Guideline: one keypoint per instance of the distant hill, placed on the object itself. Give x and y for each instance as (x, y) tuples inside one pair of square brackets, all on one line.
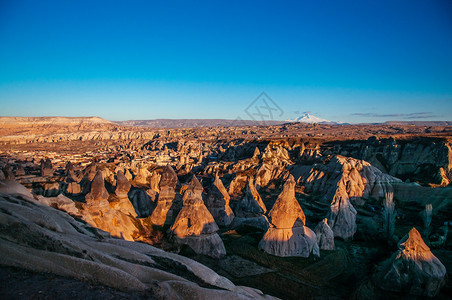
[(420, 123), (190, 123), (51, 120), (44, 125)]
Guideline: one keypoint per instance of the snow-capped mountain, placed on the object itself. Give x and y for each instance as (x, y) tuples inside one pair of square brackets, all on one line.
[(307, 118)]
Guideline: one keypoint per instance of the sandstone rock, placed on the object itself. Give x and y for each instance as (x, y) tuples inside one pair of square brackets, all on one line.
[(325, 236), (167, 202), (237, 185), (217, 202), (142, 202), (46, 168), (413, 269), (8, 172), (98, 191), (251, 205), (287, 212), (342, 215), (287, 235), (12, 187), (142, 175), (20, 171), (128, 175), (195, 226), (41, 239), (73, 188), (259, 223), (359, 178), (122, 185)]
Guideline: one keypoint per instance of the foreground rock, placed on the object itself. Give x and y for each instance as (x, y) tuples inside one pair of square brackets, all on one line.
[(287, 235), (39, 238), (194, 225), (413, 269)]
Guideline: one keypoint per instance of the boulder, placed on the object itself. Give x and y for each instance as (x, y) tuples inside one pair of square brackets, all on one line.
[(413, 269)]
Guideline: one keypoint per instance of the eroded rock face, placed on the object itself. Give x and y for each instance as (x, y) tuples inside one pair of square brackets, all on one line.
[(287, 212), (359, 178), (41, 239), (217, 202), (167, 204), (142, 202), (342, 215), (251, 205), (287, 235), (122, 185), (8, 173), (413, 269), (98, 191), (195, 226), (46, 168), (325, 236)]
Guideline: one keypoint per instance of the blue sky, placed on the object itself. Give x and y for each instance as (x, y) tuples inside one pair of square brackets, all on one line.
[(350, 61)]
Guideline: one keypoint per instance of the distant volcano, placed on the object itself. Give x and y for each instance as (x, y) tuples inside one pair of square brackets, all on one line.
[(307, 118)]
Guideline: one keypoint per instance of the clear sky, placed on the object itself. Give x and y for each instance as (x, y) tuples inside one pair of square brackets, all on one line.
[(350, 61)]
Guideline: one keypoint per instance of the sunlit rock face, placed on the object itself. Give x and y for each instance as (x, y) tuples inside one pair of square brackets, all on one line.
[(217, 202), (287, 235), (325, 236), (167, 202), (195, 226), (122, 185), (116, 217), (413, 269), (39, 238), (359, 178), (342, 215)]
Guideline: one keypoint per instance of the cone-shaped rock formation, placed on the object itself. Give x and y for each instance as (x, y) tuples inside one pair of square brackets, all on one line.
[(122, 185), (195, 226), (287, 235), (251, 205), (413, 269), (217, 203), (166, 209), (98, 191), (325, 235), (342, 215)]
